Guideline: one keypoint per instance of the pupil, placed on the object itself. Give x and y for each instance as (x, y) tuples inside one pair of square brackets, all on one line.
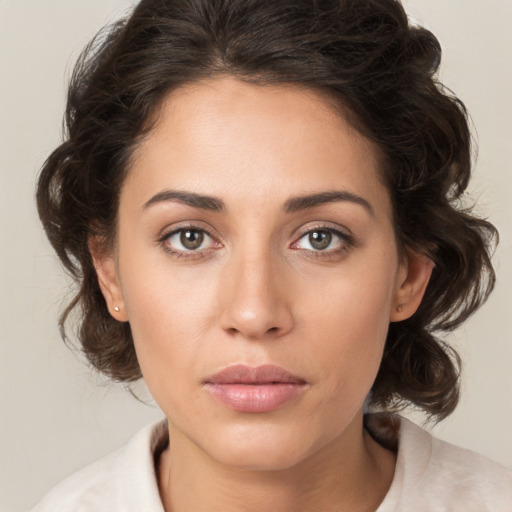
[(191, 239), (320, 240)]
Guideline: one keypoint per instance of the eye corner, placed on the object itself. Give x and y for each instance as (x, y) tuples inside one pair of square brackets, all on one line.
[(174, 241), (343, 239)]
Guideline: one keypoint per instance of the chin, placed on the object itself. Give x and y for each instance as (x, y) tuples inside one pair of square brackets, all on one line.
[(261, 448), (257, 458)]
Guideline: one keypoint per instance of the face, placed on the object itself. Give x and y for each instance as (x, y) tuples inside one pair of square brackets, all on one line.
[(254, 230)]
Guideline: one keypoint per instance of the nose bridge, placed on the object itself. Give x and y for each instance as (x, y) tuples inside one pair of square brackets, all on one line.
[(255, 304)]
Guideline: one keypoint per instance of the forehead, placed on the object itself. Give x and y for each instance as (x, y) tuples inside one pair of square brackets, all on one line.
[(227, 137)]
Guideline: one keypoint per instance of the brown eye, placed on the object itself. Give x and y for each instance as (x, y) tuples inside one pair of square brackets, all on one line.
[(187, 240), (320, 240), (191, 239), (326, 241)]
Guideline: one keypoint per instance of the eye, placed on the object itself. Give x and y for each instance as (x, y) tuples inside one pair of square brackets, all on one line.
[(323, 240), (187, 240), (319, 240)]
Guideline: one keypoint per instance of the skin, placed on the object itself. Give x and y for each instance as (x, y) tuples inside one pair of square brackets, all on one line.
[(257, 292)]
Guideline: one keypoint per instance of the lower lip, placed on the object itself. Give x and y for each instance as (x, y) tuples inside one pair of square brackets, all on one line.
[(255, 397)]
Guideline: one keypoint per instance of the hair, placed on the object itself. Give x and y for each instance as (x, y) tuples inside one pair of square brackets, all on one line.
[(378, 67)]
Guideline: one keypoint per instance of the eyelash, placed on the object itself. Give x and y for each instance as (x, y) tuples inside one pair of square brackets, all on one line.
[(191, 254), (346, 242)]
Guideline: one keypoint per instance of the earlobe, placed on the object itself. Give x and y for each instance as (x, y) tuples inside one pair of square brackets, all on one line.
[(108, 280), (412, 280)]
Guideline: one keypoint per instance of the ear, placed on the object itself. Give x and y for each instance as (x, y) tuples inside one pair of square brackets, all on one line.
[(412, 280), (108, 280)]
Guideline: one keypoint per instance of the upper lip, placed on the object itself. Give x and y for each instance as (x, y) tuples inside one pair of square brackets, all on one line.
[(243, 374)]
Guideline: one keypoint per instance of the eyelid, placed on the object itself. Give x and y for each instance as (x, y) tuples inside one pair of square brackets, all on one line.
[(346, 237), (195, 225), (170, 231), (342, 231)]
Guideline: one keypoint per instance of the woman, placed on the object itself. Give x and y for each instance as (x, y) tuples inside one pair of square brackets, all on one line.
[(260, 202)]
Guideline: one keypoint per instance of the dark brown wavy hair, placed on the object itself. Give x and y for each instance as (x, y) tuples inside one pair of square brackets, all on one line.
[(363, 53)]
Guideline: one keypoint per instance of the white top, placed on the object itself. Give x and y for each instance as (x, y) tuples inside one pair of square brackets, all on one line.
[(430, 476)]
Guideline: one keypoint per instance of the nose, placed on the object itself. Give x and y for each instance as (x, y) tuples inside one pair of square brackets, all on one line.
[(255, 298)]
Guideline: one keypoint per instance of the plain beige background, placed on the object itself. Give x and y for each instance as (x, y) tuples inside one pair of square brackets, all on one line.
[(56, 415)]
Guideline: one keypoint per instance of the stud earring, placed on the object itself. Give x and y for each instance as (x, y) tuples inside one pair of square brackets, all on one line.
[(399, 308), (117, 309)]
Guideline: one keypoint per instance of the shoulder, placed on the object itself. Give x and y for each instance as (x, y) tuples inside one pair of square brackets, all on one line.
[(117, 482), (462, 474), (88, 489), (434, 475)]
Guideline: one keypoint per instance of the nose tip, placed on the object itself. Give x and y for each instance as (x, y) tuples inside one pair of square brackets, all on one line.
[(255, 302), (253, 322)]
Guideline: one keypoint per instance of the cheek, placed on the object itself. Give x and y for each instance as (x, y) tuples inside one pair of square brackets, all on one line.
[(350, 320), (169, 314)]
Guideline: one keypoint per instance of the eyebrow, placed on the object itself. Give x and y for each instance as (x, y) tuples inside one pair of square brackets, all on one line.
[(310, 201), (293, 204), (190, 198)]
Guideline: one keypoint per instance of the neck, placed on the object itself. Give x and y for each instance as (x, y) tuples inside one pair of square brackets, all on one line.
[(352, 473)]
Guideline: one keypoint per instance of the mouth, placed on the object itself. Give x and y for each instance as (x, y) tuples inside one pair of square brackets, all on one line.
[(254, 389)]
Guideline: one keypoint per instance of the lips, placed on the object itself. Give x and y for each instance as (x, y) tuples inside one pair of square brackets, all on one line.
[(254, 389)]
